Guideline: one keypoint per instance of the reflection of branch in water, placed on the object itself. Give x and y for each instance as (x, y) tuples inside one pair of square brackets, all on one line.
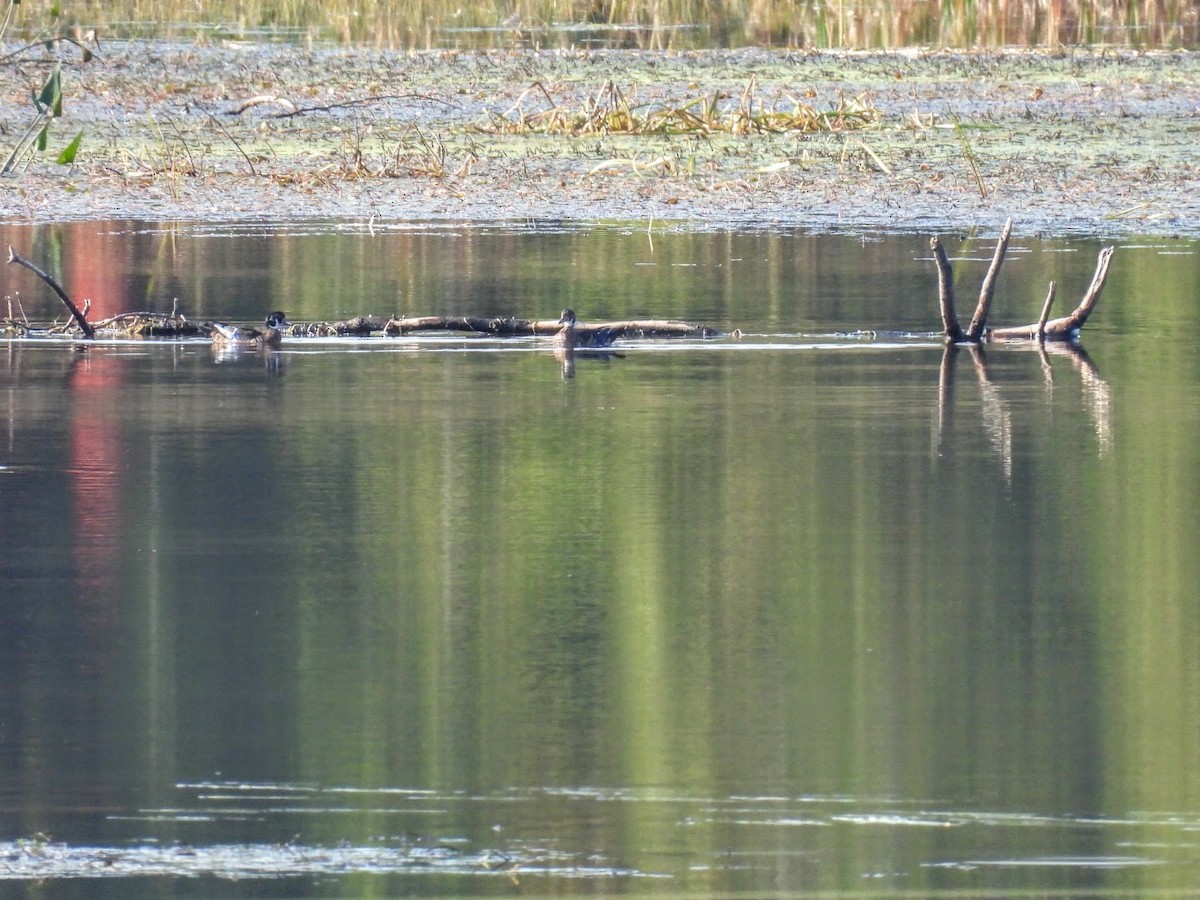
[(997, 420), (1095, 391), (945, 393), (1047, 370)]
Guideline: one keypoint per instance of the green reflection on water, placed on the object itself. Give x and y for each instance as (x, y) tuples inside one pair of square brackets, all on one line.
[(682, 578)]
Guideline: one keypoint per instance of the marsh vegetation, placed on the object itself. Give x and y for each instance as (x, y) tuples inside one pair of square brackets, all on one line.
[(641, 23)]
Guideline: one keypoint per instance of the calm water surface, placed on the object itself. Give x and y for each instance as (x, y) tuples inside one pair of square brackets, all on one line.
[(812, 611)]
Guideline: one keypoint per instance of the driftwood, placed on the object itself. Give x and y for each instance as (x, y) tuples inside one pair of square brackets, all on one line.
[(79, 317), (148, 324), (599, 335), (594, 336), (1065, 328), (988, 289)]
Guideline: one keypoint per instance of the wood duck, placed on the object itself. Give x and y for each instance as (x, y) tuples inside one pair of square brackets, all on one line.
[(567, 338), (268, 337)]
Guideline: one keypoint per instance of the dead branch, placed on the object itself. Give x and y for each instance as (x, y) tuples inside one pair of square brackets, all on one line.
[(950, 326), (1045, 316), (988, 289), (288, 106), (79, 318), (1067, 327), (290, 109)]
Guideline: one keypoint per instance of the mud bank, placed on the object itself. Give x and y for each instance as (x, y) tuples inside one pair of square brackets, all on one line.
[(1084, 142)]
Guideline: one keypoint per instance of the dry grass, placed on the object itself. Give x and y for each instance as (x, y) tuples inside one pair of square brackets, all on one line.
[(609, 112), (651, 23)]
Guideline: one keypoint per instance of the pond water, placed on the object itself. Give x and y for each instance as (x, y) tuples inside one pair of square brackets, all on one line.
[(825, 609)]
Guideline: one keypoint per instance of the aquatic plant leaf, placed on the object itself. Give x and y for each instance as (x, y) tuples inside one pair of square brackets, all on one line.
[(69, 152), (50, 99), (42, 137)]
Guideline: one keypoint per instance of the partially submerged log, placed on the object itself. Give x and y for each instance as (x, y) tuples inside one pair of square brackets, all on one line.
[(360, 326), (13, 328), (594, 336), (1065, 328), (79, 317), (598, 335), (148, 324)]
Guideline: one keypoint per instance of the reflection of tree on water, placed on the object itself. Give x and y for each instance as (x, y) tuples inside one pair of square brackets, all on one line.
[(97, 451), (995, 409)]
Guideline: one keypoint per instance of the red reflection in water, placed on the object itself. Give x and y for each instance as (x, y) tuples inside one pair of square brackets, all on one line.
[(95, 476), (96, 268)]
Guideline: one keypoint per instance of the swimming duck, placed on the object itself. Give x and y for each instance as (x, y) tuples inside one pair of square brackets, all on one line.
[(251, 338), (566, 338)]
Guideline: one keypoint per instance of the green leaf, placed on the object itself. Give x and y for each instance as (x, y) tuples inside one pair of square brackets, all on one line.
[(68, 153), (50, 99), (42, 135)]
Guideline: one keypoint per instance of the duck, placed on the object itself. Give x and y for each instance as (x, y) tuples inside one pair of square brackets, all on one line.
[(567, 337), (267, 337)]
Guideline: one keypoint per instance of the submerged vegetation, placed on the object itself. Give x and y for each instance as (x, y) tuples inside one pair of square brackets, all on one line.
[(661, 23)]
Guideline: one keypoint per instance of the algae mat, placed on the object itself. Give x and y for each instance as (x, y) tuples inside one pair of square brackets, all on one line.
[(1070, 141)]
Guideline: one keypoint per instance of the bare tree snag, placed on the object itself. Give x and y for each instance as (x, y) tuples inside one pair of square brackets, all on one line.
[(1045, 316), (988, 290), (1067, 327), (950, 326), (87, 329)]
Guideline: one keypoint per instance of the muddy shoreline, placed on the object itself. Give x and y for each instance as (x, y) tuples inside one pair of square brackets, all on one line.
[(1065, 142)]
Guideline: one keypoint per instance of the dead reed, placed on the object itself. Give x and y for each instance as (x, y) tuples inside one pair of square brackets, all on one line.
[(798, 23), (610, 112)]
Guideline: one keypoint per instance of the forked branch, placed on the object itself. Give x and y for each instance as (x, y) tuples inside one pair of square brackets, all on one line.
[(1065, 328)]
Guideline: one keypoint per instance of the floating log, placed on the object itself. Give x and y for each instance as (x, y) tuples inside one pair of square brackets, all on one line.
[(148, 324), (598, 335), (361, 326)]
